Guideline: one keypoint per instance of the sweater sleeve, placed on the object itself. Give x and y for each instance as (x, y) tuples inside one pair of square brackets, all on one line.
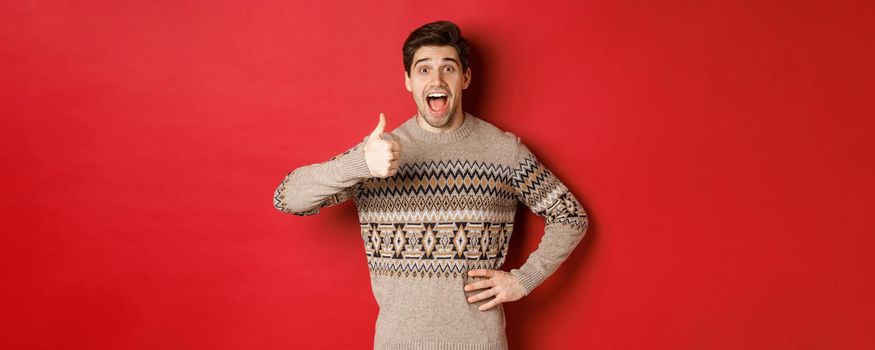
[(566, 221), (307, 189)]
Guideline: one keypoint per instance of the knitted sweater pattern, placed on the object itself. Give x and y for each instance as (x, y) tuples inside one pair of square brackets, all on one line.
[(449, 209)]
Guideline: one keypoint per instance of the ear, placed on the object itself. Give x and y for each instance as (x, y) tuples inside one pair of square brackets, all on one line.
[(466, 79), (407, 82)]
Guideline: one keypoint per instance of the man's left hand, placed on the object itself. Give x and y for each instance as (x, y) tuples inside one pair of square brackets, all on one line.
[(503, 285)]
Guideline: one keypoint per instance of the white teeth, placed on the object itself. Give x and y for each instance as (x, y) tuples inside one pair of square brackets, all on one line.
[(437, 94)]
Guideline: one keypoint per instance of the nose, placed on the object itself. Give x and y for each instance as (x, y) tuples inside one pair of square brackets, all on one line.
[(437, 79)]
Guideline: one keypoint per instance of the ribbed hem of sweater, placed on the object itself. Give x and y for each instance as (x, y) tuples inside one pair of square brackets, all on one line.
[(458, 134), (528, 278), (354, 165), (420, 345)]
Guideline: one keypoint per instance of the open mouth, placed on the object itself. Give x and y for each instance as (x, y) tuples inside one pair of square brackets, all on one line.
[(437, 102)]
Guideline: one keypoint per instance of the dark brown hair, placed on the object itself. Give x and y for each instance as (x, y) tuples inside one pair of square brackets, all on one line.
[(439, 33)]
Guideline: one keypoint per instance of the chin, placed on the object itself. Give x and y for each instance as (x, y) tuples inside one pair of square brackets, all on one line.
[(438, 121)]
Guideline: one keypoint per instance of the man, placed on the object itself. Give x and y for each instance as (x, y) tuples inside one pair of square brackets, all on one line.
[(436, 199)]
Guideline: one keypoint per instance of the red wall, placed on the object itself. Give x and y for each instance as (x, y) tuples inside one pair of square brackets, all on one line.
[(724, 151)]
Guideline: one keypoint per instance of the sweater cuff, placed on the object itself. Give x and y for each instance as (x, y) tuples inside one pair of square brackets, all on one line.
[(528, 278), (354, 164)]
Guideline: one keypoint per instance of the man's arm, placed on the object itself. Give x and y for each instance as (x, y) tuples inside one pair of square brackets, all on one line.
[(307, 189), (566, 221)]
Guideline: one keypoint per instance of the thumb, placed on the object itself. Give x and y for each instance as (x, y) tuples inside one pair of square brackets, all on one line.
[(377, 133)]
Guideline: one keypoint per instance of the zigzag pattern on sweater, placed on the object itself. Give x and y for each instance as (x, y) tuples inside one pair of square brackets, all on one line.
[(429, 268), (458, 203), (545, 195), (435, 215), (446, 190), (449, 177)]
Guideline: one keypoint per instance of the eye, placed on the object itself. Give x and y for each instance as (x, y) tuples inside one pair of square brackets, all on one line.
[(449, 69), (423, 69)]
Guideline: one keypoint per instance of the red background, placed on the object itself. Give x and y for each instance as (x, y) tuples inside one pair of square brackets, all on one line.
[(722, 149)]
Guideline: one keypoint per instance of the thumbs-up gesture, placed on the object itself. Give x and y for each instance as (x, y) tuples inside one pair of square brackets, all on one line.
[(382, 155)]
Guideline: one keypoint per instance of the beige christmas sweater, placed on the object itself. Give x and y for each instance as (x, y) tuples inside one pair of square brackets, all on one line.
[(449, 209)]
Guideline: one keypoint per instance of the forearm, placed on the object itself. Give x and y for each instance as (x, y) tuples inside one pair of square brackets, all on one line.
[(557, 243), (305, 190)]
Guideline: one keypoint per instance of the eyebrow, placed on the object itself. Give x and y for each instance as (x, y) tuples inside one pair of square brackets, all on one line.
[(429, 59)]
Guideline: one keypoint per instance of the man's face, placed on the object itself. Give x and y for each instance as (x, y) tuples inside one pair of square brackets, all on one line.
[(436, 81)]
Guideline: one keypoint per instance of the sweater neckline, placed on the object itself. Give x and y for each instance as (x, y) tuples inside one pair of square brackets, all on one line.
[(433, 137)]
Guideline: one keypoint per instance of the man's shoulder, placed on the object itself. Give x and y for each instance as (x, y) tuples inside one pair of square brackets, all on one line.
[(490, 130)]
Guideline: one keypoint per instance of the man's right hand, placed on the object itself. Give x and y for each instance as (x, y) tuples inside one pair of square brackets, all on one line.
[(382, 155)]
